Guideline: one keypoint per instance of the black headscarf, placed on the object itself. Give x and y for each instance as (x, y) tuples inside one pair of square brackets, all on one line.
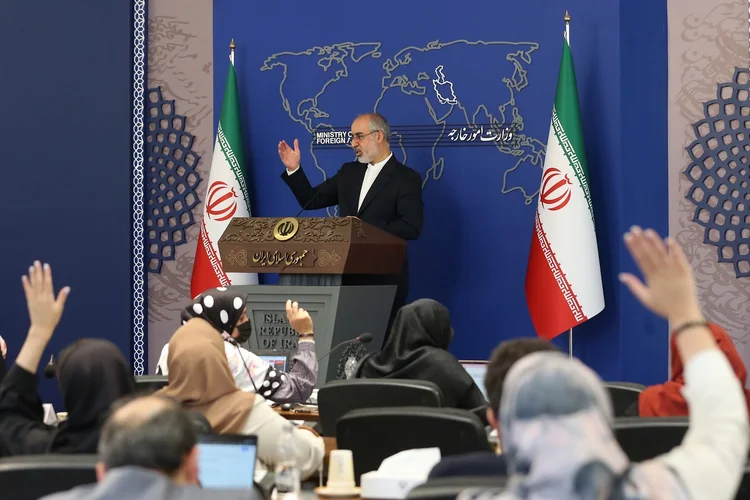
[(221, 307), (92, 374), (417, 349)]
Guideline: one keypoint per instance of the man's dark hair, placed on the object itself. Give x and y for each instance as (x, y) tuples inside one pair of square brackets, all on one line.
[(503, 357), (158, 442)]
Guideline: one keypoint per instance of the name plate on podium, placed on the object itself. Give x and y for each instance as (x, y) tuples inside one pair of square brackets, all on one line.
[(309, 245)]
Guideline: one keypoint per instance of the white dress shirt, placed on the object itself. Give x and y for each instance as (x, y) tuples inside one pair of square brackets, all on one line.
[(370, 175)]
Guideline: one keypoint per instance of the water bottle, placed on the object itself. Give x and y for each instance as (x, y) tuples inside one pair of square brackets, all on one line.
[(286, 473)]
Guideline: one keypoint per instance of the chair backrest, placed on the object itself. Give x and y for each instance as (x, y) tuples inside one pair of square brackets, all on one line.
[(341, 396), (150, 383), (32, 477), (448, 488), (624, 395), (374, 434), (481, 413), (645, 438)]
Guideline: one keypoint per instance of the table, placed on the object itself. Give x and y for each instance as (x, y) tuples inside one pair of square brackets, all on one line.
[(308, 416)]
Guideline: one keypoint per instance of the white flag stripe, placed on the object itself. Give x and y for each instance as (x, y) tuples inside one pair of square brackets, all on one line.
[(571, 235), (234, 191)]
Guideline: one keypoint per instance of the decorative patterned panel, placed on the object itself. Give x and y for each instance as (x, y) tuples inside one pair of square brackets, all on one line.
[(719, 171), (172, 180)]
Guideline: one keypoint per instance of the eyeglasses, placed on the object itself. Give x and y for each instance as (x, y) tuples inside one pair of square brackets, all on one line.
[(359, 136)]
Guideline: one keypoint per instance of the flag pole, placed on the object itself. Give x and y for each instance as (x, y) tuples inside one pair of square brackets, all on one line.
[(232, 46), (570, 343), (567, 39)]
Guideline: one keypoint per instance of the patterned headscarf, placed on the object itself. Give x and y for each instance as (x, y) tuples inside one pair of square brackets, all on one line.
[(556, 432), (221, 307)]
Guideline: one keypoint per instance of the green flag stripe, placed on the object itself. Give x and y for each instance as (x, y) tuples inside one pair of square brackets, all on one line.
[(569, 118), (229, 134), (572, 157), (231, 159)]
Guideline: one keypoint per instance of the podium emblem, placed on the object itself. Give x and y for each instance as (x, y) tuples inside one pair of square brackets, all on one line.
[(285, 229)]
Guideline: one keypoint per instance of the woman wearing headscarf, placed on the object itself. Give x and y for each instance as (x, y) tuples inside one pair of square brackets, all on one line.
[(417, 349), (666, 400), (556, 416), (92, 374), (200, 380), (225, 310)]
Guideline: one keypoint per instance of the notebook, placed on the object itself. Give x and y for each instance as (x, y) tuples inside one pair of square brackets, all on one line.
[(476, 369), (227, 461)]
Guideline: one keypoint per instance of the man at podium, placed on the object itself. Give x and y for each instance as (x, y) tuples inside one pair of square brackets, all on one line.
[(377, 188)]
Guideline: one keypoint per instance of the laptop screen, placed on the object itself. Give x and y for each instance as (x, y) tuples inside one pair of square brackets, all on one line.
[(226, 461), (278, 361), (476, 370)]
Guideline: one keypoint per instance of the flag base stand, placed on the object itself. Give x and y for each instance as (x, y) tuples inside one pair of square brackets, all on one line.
[(570, 343)]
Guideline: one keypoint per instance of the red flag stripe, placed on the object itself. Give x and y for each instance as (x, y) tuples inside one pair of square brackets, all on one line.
[(553, 306), (207, 270)]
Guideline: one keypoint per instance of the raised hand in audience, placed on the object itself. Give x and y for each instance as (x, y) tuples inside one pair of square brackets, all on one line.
[(669, 289), (45, 311), (299, 318)]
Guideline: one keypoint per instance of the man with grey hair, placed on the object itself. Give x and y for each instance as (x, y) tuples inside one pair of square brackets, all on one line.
[(147, 450), (376, 188)]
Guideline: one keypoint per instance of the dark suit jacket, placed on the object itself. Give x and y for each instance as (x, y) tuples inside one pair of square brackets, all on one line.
[(393, 203)]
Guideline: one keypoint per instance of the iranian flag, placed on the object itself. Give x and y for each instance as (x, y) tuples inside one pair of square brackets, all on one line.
[(227, 197), (563, 279)]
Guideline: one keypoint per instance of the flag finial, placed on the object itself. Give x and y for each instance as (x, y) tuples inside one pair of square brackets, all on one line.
[(567, 17), (232, 45)]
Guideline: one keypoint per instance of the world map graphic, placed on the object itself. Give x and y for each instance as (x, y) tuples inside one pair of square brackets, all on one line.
[(438, 85)]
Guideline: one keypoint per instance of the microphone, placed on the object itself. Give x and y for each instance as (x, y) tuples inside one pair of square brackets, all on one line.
[(50, 371), (304, 207), (365, 338)]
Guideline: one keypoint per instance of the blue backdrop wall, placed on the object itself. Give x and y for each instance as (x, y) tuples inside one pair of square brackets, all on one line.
[(66, 140), (309, 68)]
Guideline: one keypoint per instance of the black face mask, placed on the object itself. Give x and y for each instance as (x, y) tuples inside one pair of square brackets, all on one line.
[(245, 330)]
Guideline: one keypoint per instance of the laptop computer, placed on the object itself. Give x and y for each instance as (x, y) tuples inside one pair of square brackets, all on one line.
[(227, 461), (476, 370), (275, 358)]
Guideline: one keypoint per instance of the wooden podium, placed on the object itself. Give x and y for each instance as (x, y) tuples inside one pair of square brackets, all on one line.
[(312, 257)]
